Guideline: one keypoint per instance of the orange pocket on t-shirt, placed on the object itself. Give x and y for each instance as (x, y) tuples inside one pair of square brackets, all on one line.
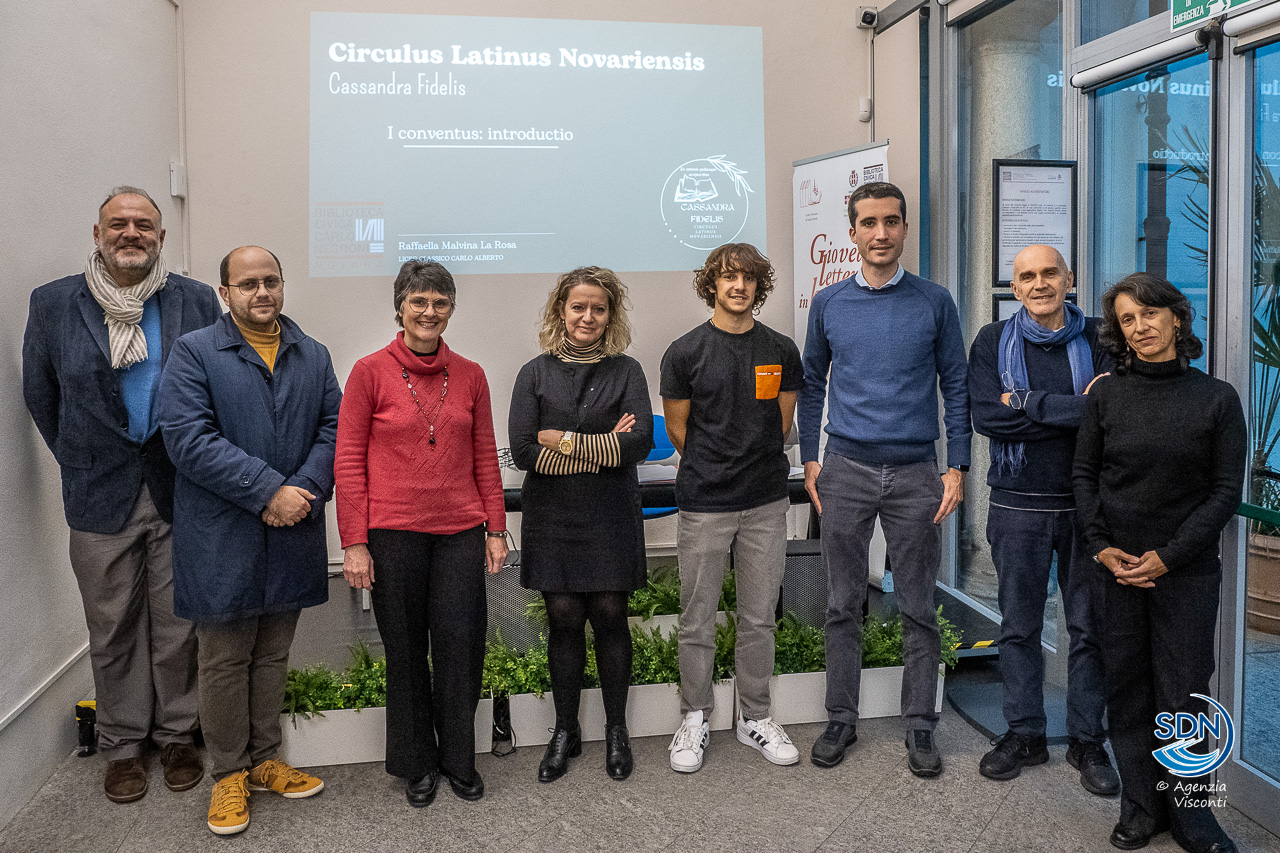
[(768, 381)]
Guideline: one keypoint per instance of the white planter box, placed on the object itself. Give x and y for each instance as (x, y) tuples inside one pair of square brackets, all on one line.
[(652, 709), (668, 625), (801, 698), (356, 737)]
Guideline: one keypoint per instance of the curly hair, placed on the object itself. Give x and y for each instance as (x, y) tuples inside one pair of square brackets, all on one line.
[(734, 257), (617, 333), (1154, 292)]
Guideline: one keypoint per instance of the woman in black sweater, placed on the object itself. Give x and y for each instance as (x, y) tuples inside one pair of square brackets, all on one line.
[(580, 421), (1159, 470)]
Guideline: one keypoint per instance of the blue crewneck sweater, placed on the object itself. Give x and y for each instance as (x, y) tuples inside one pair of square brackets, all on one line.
[(888, 351), (138, 382)]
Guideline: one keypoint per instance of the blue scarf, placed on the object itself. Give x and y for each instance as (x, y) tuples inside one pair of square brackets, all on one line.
[(1010, 456)]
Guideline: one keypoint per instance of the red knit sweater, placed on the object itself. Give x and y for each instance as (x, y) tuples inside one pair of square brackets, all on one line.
[(387, 474)]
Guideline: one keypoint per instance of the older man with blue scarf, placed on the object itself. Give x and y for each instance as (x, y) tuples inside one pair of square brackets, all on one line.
[(1028, 377)]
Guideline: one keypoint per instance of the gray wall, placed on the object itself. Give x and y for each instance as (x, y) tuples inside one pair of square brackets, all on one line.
[(90, 99)]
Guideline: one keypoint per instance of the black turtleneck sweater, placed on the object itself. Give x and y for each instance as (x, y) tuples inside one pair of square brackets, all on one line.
[(1160, 463)]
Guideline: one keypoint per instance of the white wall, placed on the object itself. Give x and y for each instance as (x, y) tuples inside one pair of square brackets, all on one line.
[(89, 99), (897, 119)]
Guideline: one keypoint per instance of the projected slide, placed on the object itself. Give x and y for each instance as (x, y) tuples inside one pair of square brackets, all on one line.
[(510, 145)]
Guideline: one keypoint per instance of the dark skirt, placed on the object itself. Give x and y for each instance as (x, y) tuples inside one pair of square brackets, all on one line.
[(582, 532)]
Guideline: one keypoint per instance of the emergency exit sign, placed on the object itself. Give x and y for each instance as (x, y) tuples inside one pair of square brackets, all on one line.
[(1189, 14)]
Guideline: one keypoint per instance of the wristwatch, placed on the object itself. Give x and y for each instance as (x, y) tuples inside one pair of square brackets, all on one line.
[(566, 443)]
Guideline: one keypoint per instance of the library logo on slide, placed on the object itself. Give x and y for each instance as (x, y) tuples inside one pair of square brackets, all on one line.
[(347, 238), (705, 203)]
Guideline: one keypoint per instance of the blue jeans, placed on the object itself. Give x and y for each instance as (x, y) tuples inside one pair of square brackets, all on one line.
[(1023, 543), (905, 497)]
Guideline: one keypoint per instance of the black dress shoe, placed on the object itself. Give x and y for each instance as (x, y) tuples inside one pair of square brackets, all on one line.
[(828, 749), (564, 744), (423, 791), (1128, 838), (472, 790), (617, 752), (1132, 838)]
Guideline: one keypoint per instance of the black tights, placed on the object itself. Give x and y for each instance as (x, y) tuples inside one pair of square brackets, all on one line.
[(567, 615)]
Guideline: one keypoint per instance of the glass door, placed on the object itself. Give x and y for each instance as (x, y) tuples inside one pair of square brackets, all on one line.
[(1254, 781), (1151, 182)]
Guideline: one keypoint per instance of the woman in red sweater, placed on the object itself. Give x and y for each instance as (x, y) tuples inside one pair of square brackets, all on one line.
[(420, 513)]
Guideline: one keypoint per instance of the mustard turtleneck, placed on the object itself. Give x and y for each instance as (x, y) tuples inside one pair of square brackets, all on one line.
[(267, 344)]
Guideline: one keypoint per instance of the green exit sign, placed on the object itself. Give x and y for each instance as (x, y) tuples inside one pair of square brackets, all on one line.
[(1189, 14)]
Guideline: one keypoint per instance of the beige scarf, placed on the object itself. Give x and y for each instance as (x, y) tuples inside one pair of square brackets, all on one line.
[(123, 307)]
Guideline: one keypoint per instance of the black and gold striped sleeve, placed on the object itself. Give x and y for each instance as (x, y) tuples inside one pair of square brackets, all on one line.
[(600, 448), (556, 463)]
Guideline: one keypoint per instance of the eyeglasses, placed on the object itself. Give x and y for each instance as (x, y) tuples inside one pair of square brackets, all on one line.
[(250, 286), (420, 304)]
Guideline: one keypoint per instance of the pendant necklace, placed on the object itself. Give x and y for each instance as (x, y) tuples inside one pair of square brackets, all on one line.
[(435, 410)]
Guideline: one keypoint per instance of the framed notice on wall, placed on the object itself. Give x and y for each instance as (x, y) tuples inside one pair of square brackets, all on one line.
[(1032, 201)]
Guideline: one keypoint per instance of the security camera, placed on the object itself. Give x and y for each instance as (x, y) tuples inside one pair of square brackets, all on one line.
[(867, 17)]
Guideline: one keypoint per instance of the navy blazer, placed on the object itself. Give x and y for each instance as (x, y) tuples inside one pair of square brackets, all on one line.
[(74, 397), (237, 432)]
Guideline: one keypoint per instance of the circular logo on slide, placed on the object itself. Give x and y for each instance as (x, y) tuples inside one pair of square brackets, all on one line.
[(705, 202)]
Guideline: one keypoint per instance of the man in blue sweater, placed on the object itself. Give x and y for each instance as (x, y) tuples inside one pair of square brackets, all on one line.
[(1028, 377), (890, 340)]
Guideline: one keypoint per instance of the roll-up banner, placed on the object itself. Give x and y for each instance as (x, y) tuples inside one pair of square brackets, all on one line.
[(824, 252)]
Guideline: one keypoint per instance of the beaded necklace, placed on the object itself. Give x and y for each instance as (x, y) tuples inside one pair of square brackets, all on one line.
[(435, 410)]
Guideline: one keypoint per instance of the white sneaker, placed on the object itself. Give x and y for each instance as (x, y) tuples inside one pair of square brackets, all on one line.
[(689, 742), (768, 737)]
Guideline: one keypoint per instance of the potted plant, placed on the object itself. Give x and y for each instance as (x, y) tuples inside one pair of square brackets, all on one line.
[(653, 703), (340, 718)]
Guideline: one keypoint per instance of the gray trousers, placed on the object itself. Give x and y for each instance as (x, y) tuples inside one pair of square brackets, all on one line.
[(758, 538), (243, 666), (906, 498), (143, 656)]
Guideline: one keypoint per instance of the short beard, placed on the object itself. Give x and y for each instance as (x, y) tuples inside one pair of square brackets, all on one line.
[(142, 267)]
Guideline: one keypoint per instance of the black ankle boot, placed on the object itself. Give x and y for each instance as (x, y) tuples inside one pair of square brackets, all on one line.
[(617, 752), (564, 744)]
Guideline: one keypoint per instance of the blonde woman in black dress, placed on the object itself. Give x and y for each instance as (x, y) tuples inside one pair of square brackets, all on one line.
[(580, 421)]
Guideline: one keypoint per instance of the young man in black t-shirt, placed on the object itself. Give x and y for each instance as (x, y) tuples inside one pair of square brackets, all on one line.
[(729, 393)]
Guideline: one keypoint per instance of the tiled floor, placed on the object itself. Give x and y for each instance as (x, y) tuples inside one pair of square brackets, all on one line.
[(736, 803)]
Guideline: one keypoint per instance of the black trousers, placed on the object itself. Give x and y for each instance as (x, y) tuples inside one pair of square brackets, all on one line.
[(1157, 648), (429, 597)]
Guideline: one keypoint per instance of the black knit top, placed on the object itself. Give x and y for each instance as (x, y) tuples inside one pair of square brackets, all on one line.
[(1160, 463)]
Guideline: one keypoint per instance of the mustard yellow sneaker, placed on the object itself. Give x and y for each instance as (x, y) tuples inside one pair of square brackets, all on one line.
[(229, 806), (274, 775)]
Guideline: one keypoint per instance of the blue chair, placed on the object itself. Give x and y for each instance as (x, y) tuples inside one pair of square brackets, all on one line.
[(663, 451)]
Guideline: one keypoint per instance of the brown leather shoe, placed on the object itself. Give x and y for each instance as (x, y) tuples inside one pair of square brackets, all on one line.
[(126, 780), (183, 766)]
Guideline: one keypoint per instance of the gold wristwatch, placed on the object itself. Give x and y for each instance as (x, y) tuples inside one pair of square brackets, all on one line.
[(566, 443)]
